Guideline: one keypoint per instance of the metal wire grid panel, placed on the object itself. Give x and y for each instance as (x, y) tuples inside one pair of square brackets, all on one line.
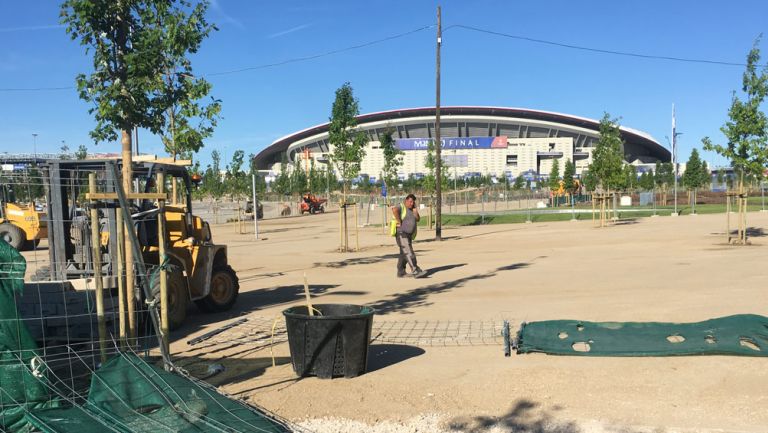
[(256, 332), (63, 354)]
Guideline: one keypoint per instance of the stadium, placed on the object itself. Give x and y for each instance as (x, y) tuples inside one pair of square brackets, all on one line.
[(492, 141)]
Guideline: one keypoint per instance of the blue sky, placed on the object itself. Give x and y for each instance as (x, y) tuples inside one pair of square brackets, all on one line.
[(478, 69)]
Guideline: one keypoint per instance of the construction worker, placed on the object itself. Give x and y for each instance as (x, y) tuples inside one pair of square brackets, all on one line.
[(403, 228)]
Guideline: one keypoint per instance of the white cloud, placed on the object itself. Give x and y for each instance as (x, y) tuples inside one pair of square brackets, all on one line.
[(30, 28), (285, 32)]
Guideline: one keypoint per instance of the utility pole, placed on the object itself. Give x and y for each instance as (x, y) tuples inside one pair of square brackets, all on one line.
[(438, 141), (674, 154)]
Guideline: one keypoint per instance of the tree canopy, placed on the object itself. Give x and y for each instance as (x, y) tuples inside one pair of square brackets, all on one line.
[(348, 144), (141, 70), (608, 156)]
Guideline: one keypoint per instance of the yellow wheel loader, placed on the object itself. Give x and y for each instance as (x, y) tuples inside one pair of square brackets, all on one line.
[(21, 225)]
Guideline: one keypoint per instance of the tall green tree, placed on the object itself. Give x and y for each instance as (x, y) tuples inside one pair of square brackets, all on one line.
[(348, 144), (554, 176), (608, 156), (135, 44), (569, 176), (746, 131), (393, 157), (693, 176)]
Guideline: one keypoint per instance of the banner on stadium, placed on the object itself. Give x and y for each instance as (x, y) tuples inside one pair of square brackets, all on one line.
[(458, 143)]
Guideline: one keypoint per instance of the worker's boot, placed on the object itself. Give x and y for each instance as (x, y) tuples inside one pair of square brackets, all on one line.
[(418, 273)]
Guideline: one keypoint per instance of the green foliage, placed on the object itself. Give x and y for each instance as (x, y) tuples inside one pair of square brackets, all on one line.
[(237, 183), (82, 152), (589, 180), (519, 183), (298, 184), (137, 46), (746, 131), (647, 181), (629, 182), (608, 156), (282, 183), (393, 157), (348, 145), (665, 175), (569, 174), (554, 176), (695, 174), (212, 185), (429, 183)]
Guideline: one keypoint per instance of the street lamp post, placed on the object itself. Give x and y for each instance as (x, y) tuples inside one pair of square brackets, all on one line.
[(34, 144)]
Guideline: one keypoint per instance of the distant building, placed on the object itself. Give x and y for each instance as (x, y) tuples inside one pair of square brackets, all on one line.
[(476, 140)]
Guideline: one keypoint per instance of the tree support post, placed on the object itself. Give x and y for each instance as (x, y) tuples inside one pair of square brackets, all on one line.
[(98, 282), (161, 247)]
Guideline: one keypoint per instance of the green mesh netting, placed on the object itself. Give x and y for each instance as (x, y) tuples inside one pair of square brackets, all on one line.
[(743, 334), (20, 389), (129, 395), (126, 394)]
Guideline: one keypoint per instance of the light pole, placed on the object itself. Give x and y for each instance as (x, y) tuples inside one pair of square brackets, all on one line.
[(34, 144)]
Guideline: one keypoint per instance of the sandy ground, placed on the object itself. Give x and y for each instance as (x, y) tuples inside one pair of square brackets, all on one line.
[(652, 269)]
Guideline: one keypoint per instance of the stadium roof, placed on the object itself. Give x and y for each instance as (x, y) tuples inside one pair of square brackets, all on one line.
[(515, 115)]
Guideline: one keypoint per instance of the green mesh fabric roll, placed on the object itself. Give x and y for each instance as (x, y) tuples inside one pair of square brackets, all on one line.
[(742, 335), (23, 385)]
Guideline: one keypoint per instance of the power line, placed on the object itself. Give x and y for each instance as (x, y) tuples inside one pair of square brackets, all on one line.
[(599, 50), (317, 56), (400, 35), (264, 66)]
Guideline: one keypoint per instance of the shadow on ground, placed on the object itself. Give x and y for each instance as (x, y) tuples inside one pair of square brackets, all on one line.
[(356, 261), (383, 355), (431, 271), (403, 302), (524, 417), (226, 370)]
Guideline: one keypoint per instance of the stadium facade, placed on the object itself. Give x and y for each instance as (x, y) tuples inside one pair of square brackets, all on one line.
[(476, 140)]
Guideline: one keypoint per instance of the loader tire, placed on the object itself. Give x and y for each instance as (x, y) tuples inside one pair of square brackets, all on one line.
[(178, 296), (13, 235), (224, 290)]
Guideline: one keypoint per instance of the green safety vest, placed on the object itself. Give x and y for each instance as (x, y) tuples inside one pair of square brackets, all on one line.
[(393, 223)]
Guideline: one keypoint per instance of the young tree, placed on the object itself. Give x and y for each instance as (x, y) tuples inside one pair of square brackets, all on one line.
[(82, 152), (348, 144), (554, 181), (746, 132), (237, 183), (212, 186), (608, 156), (693, 177), (569, 178), (706, 176), (665, 176), (393, 157), (133, 43), (298, 179), (282, 183), (647, 181), (519, 183), (629, 182)]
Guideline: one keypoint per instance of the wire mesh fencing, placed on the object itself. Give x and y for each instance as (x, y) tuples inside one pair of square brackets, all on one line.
[(83, 266)]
